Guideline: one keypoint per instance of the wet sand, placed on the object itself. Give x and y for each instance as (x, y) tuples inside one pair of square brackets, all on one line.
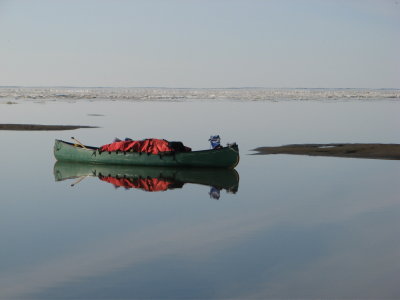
[(34, 127), (373, 151)]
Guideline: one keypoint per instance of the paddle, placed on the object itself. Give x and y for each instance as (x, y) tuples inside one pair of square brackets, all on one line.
[(80, 179), (79, 143)]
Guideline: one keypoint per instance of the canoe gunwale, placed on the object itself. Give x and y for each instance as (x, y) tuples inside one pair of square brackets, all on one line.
[(77, 145)]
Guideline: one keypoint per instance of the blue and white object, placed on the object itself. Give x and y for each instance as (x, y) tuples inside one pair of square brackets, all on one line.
[(215, 141)]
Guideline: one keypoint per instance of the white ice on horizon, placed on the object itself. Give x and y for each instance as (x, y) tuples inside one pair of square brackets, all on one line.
[(250, 94)]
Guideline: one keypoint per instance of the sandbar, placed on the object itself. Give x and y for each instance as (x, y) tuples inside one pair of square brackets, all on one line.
[(34, 127), (372, 151)]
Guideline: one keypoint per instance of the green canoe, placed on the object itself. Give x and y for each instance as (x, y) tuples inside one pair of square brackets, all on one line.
[(219, 178), (227, 157)]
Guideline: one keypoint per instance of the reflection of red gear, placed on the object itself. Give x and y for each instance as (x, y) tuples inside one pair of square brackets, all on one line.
[(146, 184), (153, 146)]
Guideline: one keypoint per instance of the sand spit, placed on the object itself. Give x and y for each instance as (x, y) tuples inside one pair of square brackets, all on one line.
[(36, 127), (373, 151)]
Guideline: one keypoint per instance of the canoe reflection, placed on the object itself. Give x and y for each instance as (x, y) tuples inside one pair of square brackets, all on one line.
[(151, 179)]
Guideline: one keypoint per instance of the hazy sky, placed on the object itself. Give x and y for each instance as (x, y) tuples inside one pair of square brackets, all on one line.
[(200, 43)]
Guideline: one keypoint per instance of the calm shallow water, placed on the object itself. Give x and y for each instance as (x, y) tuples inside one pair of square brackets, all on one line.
[(298, 227)]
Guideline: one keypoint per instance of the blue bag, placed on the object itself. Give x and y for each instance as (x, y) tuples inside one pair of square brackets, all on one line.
[(215, 141)]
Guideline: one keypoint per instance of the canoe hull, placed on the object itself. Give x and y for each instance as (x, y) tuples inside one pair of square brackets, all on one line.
[(227, 157)]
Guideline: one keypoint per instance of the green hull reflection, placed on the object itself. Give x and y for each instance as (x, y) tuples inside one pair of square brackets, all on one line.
[(150, 178)]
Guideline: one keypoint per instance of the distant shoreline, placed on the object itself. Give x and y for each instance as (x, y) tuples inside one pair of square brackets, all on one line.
[(39, 127), (178, 94), (194, 88), (371, 151)]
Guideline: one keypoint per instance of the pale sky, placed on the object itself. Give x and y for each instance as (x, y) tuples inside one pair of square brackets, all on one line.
[(200, 43)]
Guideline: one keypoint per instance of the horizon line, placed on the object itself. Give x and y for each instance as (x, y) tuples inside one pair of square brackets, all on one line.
[(200, 88)]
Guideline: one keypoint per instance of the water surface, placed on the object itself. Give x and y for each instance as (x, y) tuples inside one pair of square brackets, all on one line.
[(297, 226)]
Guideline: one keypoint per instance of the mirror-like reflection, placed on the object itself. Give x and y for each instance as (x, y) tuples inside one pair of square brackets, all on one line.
[(150, 179), (300, 227)]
